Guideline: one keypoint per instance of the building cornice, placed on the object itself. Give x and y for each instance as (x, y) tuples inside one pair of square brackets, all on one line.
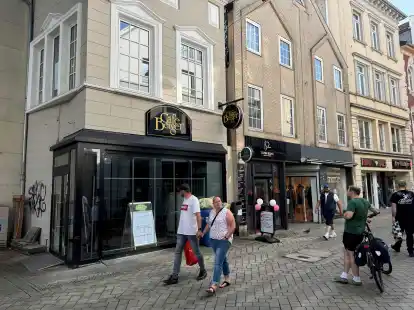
[(388, 9)]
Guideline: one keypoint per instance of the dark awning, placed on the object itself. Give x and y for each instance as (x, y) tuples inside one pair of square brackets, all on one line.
[(319, 155), (131, 140)]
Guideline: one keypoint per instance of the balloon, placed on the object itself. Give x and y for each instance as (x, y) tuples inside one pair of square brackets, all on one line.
[(276, 208), (257, 207), (259, 201), (272, 202)]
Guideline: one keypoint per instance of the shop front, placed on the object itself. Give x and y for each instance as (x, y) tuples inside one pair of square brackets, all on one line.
[(378, 177), (117, 193)]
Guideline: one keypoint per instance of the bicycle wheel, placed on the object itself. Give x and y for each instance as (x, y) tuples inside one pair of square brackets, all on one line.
[(377, 275), (388, 270)]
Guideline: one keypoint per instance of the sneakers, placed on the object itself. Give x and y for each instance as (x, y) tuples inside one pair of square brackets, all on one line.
[(326, 236), (171, 280), (341, 280), (202, 275), (395, 248), (332, 235)]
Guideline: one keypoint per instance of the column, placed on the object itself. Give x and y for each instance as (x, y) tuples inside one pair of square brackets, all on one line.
[(375, 190)]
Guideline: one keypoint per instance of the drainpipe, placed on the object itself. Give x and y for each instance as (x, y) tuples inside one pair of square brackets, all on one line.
[(31, 5)]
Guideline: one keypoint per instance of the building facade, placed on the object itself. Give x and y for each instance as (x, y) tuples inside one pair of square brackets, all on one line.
[(122, 106), (294, 82), (367, 33), (14, 42)]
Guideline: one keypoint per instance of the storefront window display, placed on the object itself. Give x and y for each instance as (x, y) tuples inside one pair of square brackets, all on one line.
[(336, 179), (301, 198)]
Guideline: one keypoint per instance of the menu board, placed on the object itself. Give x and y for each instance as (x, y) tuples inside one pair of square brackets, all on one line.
[(142, 223), (266, 222), (241, 190)]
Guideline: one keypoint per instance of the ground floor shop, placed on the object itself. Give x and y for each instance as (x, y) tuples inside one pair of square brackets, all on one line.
[(377, 176)]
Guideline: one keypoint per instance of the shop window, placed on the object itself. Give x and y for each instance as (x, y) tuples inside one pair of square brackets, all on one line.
[(206, 179)]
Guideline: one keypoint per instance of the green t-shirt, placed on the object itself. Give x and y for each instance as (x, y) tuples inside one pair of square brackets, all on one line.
[(360, 207)]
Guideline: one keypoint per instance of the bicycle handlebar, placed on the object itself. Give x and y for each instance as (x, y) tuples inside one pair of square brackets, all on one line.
[(373, 215)]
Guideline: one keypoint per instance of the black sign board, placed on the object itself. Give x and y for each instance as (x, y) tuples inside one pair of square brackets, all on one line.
[(169, 122), (246, 154), (241, 190), (232, 116), (373, 163), (401, 164)]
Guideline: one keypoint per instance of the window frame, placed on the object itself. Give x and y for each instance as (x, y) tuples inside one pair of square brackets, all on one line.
[(359, 24), (369, 122), (390, 43), (375, 43), (260, 89), (381, 133), (410, 78), (366, 79), (344, 129), (394, 101), (147, 20), (292, 103), (211, 4), (259, 27), (337, 69), (319, 108), (399, 142), (289, 43), (316, 59), (383, 87)]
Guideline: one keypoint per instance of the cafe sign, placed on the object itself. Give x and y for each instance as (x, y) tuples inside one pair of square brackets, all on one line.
[(169, 122), (373, 163), (401, 164), (232, 116)]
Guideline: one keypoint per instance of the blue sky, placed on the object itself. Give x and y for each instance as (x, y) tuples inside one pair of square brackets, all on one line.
[(407, 6)]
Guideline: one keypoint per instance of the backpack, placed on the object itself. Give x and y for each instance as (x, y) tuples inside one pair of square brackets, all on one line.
[(360, 254)]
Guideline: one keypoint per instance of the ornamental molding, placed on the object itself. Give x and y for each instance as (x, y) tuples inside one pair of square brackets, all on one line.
[(388, 9)]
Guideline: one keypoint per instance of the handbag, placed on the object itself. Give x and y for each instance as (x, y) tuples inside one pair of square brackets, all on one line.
[(190, 257)]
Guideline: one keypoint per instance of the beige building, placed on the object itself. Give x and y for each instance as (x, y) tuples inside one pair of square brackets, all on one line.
[(122, 106), (294, 81), (14, 40), (367, 33)]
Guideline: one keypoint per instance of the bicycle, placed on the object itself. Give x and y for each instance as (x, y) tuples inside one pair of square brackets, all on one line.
[(375, 266)]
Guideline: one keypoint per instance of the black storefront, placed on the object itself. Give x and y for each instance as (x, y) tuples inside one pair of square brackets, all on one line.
[(98, 175)]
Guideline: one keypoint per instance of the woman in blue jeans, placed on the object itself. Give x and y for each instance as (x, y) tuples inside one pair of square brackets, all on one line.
[(221, 224)]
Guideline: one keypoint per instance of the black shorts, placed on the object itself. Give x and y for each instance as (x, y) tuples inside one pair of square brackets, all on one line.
[(329, 217), (351, 241)]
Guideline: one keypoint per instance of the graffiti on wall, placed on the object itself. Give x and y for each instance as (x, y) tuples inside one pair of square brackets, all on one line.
[(37, 193)]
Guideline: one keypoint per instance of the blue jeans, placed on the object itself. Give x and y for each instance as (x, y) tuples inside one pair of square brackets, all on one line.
[(221, 265), (181, 240)]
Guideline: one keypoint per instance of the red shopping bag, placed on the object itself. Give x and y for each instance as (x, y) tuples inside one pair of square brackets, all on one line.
[(190, 257)]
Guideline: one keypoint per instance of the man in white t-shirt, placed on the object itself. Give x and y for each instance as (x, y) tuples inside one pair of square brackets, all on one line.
[(328, 202), (189, 229)]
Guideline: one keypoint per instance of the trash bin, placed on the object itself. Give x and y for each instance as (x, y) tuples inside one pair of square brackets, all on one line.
[(205, 213)]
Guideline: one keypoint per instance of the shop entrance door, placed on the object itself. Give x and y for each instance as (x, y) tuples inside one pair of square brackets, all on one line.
[(367, 187), (262, 189), (301, 198)]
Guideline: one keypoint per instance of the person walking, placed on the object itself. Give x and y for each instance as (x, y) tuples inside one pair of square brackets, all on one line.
[(189, 229), (328, 203), (356, 215), (402, 206), (221, 224)]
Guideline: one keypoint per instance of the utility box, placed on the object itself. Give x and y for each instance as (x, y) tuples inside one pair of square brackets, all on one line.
[(4, 226)]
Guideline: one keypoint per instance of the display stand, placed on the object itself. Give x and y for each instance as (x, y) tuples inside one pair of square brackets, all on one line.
[(267, 224), (142, 224)]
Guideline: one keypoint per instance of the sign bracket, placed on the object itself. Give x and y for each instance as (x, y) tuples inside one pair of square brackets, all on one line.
[(223, 104)]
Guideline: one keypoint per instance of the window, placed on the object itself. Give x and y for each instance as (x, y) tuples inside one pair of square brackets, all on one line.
[(136, 59), (285, 54), (254, 101), (322, 132), (357, 26), (318, 69), (340, 118), (53, 60), (410, 78), (394, 92), (379, 86), (192, 74), (213, 15), (365, 140), (396, 139), (390, 45), (362, 85), (288, 116), (374, 36), (253, 37), (381, 133), (41, 72), (338, 78)]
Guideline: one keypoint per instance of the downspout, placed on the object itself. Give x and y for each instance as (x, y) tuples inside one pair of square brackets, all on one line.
[(31, 4)]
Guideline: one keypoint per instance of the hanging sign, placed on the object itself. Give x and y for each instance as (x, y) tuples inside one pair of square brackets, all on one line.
[(232, 116), (142, 223), (246, 154)]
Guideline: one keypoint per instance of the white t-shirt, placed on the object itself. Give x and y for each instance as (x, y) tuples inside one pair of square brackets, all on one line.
[(188, 220)]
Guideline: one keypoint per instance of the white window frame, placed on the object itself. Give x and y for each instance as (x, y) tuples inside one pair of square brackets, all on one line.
[(54, 25), (389, 39), (344, 129), (316, 58), (193, 36), (284, 121), (259, 52), (210, 20), (365, 147), (290, 66), (375, 43), (381, 136), (394, 97), (410, 78), (174, 3), (379, 96), (366, 78), (341, 82), (141, 16), (325, 125), (398, 136), (357, 25), (260, 89)]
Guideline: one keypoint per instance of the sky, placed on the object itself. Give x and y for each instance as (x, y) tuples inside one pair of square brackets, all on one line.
[(407, 6)]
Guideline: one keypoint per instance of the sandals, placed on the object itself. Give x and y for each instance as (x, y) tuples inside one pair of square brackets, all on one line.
[(225, 284), (211, 291)]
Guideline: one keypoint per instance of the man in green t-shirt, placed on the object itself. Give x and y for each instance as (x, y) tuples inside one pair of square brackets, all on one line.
[(355, 218)]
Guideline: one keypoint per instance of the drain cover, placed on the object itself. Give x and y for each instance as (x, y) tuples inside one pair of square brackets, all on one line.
[(305, 258), (313, 252)]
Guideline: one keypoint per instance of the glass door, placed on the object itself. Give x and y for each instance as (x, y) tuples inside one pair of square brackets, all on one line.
[(262, 189)]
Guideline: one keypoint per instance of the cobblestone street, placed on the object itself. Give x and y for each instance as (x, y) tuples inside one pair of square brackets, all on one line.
[(262, 279)]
